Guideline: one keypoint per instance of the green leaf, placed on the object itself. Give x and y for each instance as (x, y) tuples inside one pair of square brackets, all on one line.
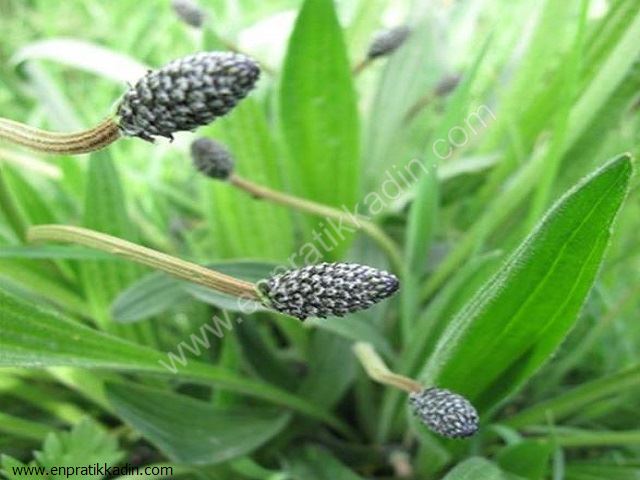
[(192, 431), (318, 464), (241, 226), (575, 400), (152, 295), (357, 327), (30, 337), (30, 198), (331, 362), (86, 444), (598, 470), (38, 282), (105, 211), (528, 459), (157, 292), (518, 319), (23, 428), (475, 469), (318, 111), (432, 322), (263, 357)]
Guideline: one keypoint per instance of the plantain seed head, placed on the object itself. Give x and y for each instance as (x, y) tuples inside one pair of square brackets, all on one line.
[(327, 289), (185, 94), (447, 413)]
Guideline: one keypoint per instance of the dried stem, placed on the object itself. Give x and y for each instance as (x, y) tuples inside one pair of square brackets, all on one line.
[(377, 370), (356, 221), (86, 141), (146, 256)]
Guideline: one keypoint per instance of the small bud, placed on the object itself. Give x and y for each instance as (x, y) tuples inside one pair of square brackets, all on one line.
[(447, 85), (211, 158), (388, 41), (189, 12), (445, 412), (185, 94), (327, 289)]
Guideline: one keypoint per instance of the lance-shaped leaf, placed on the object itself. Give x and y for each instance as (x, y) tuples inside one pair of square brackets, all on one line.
[(319, 112), (192, 431), (520, 316)]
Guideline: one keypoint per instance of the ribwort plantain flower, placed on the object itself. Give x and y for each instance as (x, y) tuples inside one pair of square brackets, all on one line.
[(388, 41), (327, 289), (212, 159), (189, 12), (447, 85), (447, 413), (185, 94)]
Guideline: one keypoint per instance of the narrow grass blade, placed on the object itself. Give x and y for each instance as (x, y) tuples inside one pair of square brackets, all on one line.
[(574, 400), (105, 211)]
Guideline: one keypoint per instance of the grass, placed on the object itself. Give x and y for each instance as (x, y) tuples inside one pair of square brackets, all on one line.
[(507, 206)]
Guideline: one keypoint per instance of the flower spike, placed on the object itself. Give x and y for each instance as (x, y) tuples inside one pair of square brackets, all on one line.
[(327, 289), (388, 41), (447, 413), (185, 94), (212, 159)]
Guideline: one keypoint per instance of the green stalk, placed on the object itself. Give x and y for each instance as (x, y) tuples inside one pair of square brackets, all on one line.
[(356, 221), (377, 370), (91, 140), (174, 266)]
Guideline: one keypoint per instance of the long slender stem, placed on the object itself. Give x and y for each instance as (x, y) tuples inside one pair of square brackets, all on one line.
[(146, 256), (360, 67), (356, 221), (417, 107), (86, 141), (377, 370)]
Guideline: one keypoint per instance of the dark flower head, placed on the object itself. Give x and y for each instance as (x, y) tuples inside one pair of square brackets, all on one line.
[(212, 159), (327, 289), (388, 41), (185, 94), (445, 412), (189, 12), (447, 85)]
